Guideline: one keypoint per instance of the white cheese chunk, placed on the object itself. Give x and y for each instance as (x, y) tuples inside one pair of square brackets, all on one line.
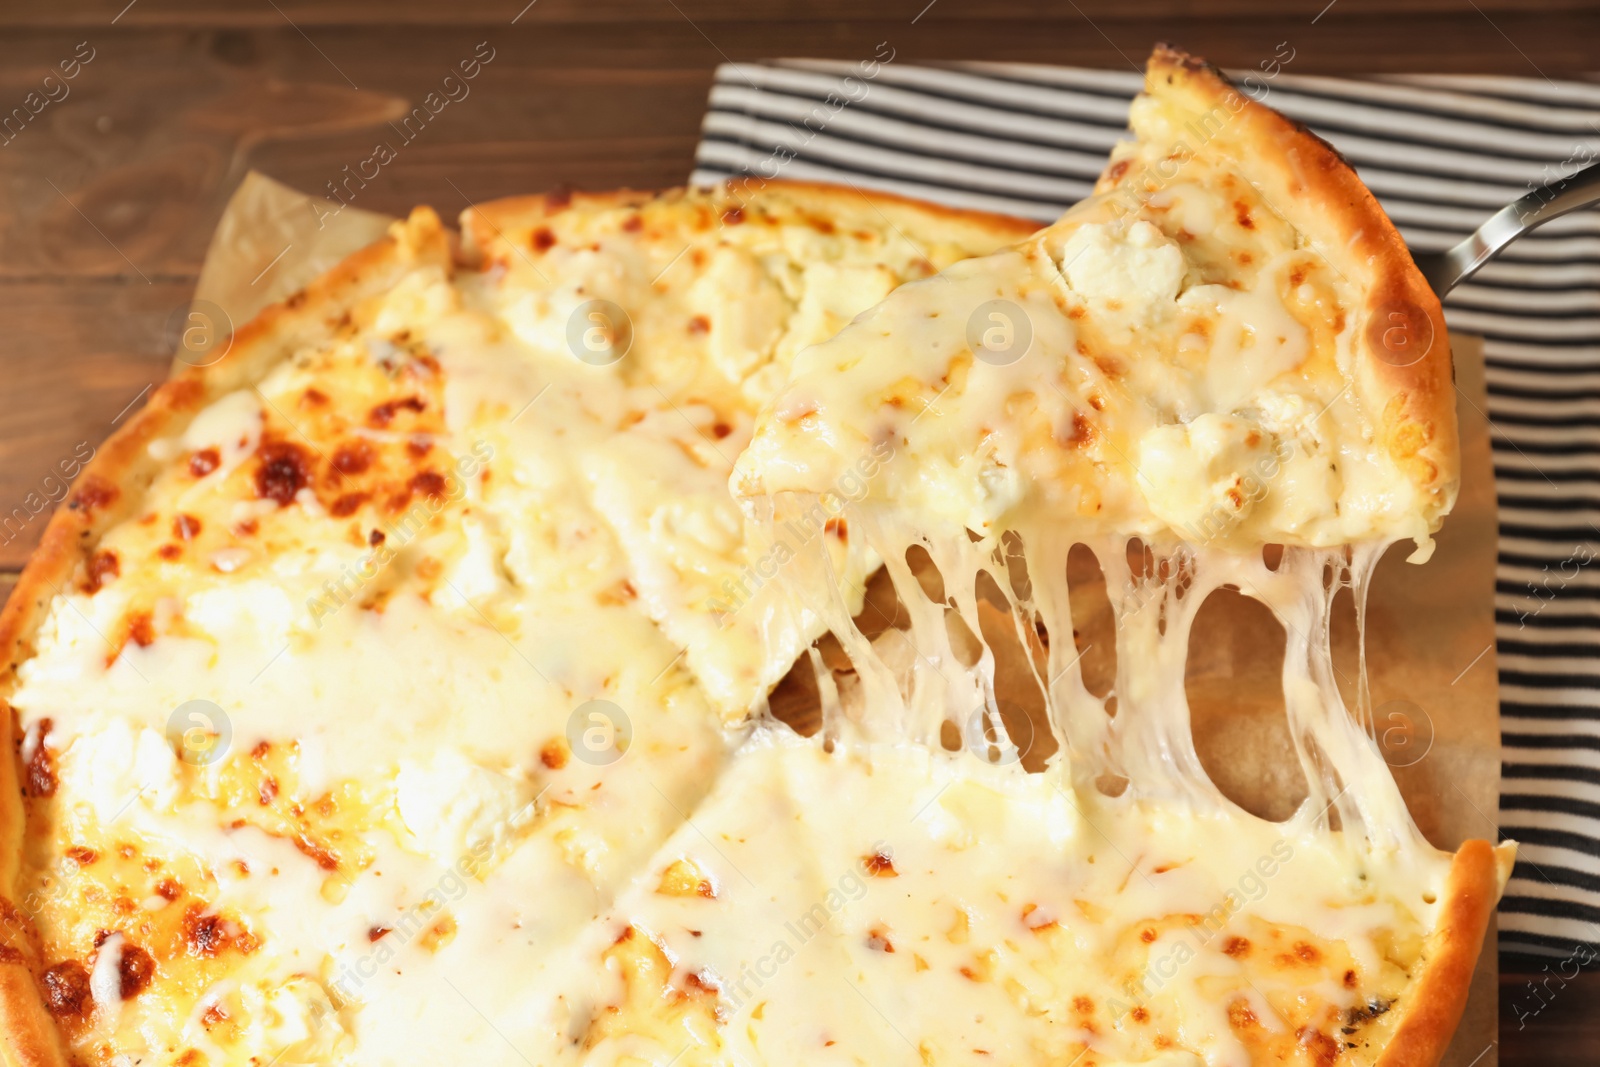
[(454, 807), (1205, 476), (231, 425), (1138, 271), (105, 979), (117, 766)]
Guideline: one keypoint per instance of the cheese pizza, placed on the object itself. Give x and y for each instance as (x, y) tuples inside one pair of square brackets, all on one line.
[(392, 690), (888, 904)]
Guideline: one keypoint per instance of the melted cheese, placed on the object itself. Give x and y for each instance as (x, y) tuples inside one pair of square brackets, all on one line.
[(394, 654), (1181, 374), (714, 295), (1118, 375)]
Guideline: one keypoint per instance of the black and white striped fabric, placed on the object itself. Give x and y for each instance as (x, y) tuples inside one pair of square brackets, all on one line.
[(1442, 153)]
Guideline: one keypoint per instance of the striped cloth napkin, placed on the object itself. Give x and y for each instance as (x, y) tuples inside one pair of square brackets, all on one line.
[(1442, 153)]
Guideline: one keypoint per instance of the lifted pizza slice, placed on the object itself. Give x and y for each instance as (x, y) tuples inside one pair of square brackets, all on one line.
[(1227, 344)]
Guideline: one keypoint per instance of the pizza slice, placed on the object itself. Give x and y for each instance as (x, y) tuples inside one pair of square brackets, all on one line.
[(892, 905), (684, 311), (1227, 344), (353, 670)]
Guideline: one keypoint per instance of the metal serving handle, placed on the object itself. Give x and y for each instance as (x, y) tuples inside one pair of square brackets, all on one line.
[(1445, 270)]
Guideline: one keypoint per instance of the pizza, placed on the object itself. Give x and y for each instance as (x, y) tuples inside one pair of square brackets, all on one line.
[(884, 904), (393, 689)]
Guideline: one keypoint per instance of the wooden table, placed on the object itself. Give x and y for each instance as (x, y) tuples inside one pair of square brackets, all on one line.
[(111, 192)]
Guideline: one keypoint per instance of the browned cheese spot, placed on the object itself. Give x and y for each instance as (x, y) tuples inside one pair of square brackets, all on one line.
[(428, 483), (284, 471), (880, 865), (95, 492), (101, 566), (135, 970), (204, 462), (383, 414), (1321, 1047), (353, 458), (66, 989), (40, 774)]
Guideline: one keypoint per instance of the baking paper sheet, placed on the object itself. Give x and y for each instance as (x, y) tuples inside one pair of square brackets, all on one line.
[(271, 241)]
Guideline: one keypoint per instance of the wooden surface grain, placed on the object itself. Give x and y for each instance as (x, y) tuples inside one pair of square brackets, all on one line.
[(111, 191)]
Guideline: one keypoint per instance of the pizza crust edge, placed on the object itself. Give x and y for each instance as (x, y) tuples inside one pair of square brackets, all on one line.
[(1436, 998), (482, 222)]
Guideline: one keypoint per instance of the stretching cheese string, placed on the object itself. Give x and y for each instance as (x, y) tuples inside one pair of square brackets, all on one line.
[(911, 683)]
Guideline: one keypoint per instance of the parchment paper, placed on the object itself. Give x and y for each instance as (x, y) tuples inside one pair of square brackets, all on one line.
[(271, 241), (1430, 640)]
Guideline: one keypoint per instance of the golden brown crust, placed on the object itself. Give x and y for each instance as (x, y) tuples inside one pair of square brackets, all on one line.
[(1435, 999), (30, 1035), (893, 205), (481, 222), (1403, 369)]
